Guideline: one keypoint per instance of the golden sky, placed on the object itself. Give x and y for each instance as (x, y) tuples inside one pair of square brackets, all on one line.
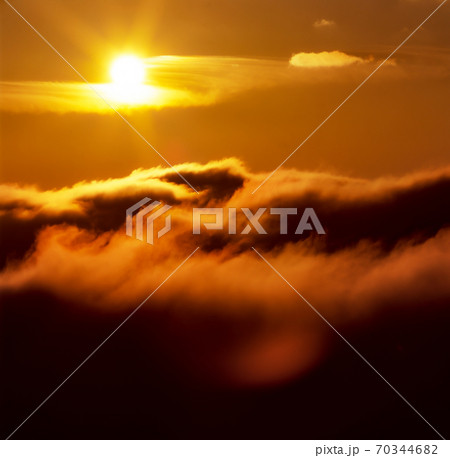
[(218, 84)]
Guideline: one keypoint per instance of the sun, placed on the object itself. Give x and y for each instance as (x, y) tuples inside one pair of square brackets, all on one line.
[(128, 71), (129, 86)]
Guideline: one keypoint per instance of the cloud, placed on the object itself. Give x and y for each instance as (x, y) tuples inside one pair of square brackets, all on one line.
[(185, 81), (324, 23), (384, 210), (325, 59), (63, 97), (172, 81), (386, 250)]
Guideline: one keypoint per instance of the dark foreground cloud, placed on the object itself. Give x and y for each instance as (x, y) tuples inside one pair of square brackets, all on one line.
[(225, 322)]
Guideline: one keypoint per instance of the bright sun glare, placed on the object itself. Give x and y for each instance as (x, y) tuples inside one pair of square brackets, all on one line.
[(128, 71), (128, 87)]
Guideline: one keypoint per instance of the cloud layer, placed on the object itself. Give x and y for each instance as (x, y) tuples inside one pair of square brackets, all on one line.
[(386, 248)]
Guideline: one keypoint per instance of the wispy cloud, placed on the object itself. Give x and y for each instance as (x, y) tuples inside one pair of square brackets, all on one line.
[(185, 81), (61, 97), (171, 81)]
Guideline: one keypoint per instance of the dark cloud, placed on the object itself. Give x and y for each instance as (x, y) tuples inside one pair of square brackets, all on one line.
[(384, 211), (225, 323), (218, 183)]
